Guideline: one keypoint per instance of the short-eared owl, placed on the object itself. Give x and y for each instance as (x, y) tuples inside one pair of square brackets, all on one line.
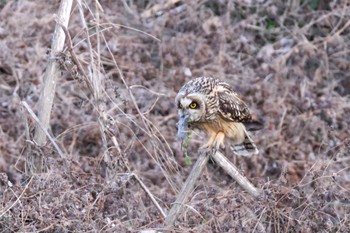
[(211, 105)]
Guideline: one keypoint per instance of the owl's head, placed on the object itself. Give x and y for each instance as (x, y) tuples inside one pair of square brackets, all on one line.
[(191, 109)]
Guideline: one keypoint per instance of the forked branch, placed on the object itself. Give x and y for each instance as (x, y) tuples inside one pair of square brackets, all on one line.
[(197, 169)]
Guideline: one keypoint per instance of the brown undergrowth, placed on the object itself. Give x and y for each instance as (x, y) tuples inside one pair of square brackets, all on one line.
[(289, 61)]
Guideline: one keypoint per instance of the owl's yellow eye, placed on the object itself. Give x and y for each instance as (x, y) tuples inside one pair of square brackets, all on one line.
[(180, 105), (193, 105)]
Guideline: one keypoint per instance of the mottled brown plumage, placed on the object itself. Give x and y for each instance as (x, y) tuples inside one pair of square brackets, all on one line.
[(211, 105)]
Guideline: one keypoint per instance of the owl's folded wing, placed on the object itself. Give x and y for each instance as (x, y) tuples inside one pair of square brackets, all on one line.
[(231, 107)]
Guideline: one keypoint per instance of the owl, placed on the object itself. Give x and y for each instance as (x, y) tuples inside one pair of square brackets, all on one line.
[(211, 105)]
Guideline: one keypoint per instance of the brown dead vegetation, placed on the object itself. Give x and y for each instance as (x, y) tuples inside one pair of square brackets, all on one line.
[(289, 60)]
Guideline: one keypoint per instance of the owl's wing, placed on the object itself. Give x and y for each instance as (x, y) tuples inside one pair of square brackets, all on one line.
[(231, 107)]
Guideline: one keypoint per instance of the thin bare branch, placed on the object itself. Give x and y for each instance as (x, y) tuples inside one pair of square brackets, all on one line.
[(42, 127), (150, 195), (17, 200), (226, 164)]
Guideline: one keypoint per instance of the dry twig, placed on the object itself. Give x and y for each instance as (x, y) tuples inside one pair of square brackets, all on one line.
[(138, 179), (150, 195), (40, 124), (17, 200)]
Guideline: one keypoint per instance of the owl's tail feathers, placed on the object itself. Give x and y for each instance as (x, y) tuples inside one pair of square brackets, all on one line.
[(253, 125), (246, 148)]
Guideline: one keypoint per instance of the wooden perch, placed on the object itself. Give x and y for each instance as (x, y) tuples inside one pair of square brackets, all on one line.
[(197, 169), (187, 189)]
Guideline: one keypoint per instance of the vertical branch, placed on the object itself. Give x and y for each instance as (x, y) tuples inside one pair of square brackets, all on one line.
[(48, 91)]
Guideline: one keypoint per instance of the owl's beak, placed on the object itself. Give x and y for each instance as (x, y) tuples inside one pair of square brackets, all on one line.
[(182, 126)]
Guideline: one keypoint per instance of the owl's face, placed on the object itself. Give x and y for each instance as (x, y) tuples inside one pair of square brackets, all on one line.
[(191, 109)]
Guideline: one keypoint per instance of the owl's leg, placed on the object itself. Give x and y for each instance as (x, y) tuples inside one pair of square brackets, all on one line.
[(210, 142), (215, 141), (219, 140)]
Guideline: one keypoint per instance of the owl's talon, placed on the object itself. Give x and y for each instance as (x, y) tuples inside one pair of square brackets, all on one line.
[(205, 147), (208, 150)]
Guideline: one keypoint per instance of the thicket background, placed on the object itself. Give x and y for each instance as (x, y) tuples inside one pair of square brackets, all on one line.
[(289, 60)]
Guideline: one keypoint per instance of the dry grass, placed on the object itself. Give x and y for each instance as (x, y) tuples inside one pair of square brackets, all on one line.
[(289, 61)]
